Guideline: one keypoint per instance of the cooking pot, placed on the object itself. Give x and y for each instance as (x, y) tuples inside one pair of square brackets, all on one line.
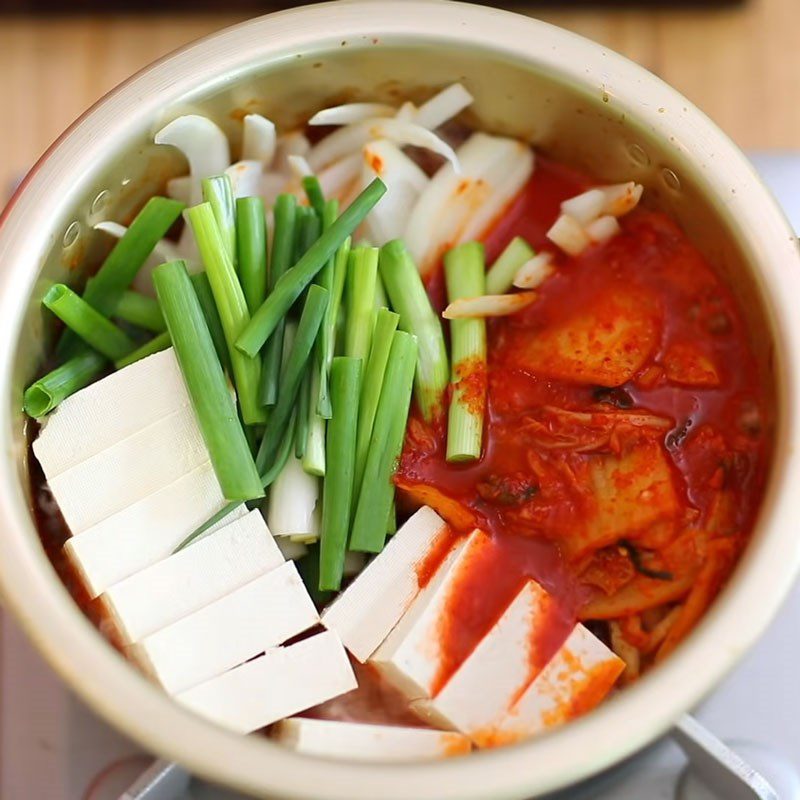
[(572, 99)]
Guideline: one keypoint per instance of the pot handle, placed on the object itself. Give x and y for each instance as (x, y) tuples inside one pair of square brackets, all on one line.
[(717, 766)]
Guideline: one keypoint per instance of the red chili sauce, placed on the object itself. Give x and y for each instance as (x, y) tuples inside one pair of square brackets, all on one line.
[(625, 443)]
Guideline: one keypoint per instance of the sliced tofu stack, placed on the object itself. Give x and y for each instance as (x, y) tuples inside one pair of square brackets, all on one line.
[(412, 657), (261, 614), (127, 465), (193, 577), (499, 691), (365, 613), (485, 687), (360, 742), (575, 680), (282, 682), (147, 531)]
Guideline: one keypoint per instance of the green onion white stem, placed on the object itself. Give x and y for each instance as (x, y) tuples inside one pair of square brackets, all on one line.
[(409, 299), (293, 499), (465, 278)]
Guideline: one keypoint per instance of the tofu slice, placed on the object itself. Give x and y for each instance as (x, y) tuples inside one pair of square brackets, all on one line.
[(192, 578), (485, 687), (410, 658), (282, 682), (147, 531), (129, 470), (110, 410), (358, 742), (574, 681), (370, 607), (259, 615)]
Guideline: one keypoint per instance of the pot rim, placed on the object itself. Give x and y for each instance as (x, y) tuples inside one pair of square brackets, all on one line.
[(618, 728)]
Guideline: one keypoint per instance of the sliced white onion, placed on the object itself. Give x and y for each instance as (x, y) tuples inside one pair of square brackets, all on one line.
[(603, 229), (406, 112), (489, 305), (162, 252), (585, 207), (622, 198), (404, 182), (246, 178), (535, 271), (454, 208), (259, 139), (353, 137), (293, 500), (180, 188), (337, 179), (299, 166), (293, 143), (443, 106), (568, 234), (203, 144), (351, 112), (272, 184)]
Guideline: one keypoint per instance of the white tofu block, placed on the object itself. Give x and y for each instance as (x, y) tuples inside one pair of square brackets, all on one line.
[(574, 681), (147, 531), (110, 410), (411, 656), (282, 682), (192, 578), (358, 742), (259, 615), (129, 470), (370, 607), (485, 687)]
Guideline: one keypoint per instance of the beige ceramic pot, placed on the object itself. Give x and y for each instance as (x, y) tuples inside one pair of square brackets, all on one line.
[(570, 97)]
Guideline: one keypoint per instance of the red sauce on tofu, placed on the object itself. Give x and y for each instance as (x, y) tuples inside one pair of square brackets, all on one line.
[(626, 433)]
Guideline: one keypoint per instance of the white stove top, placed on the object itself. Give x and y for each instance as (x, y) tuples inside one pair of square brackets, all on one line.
[(53, 748)]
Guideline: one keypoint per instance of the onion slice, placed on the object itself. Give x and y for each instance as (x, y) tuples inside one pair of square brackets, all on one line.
[(299, 166), (259, 139), (353, 137), (622, 198), (489, 305), (443, 106), (455, 208), (180, 188), (585, 207), (568, 234), (603, 229), (351, 112), (246, 178), (534, 271), (404, 182), (203, 144)]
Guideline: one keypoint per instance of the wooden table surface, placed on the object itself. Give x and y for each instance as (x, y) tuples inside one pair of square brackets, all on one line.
[(741, 65)]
